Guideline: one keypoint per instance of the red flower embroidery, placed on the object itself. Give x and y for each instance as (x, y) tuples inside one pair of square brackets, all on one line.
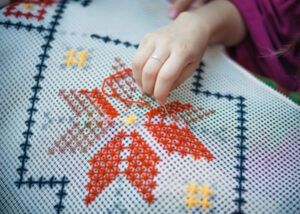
[(13, 9), (140, 170)]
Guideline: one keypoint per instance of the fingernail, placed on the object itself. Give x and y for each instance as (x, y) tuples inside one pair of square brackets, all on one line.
[(173, 13)]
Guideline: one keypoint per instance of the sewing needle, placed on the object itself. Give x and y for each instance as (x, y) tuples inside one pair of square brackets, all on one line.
[(166, 111)]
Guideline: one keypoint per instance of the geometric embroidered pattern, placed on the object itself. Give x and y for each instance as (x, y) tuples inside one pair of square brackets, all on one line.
[(16, 9), (94, 116), (241, 128), (100, 103), (121, 85), (75, 58), (129, 120), (140, 170), (171, 136), (53, 181), (93, 106), (202, 199), (25, 179)]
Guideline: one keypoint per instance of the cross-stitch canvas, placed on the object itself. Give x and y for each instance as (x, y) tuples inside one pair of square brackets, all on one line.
[(77, 136)]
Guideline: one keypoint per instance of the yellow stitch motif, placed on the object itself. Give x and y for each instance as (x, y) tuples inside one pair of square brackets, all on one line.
[(70, 56), (192, 200), (79, 58), (131, 119), (82, 56), (27, 6)]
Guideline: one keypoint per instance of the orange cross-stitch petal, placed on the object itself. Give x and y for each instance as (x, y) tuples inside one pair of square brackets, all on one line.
[(172, 137), (140, 170)]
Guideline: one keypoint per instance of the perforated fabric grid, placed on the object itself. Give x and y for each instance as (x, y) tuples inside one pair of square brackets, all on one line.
[(57, 122)]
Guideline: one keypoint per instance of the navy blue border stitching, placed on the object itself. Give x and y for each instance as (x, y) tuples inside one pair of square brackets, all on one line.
[(107, 39), (41, 182), (84, 3), (19, 25), (240, 178)]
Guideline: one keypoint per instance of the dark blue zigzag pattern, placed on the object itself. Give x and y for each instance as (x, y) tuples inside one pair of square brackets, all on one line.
[(84, 3), (240, 178), (19, 25), (41, 182), (107, 39)]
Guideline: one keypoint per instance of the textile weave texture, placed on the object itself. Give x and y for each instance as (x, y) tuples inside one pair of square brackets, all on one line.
[(77, 136)]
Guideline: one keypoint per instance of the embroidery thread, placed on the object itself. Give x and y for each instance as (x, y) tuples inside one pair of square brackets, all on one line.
[(122, 74), (140, 171), (91, 121), (13, 9), (171, 136), (194, 200), (76, 58), (129, 120)]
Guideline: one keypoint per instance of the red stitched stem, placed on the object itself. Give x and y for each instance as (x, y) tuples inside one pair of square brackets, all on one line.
[(125, 92), (116, 68), (114, 93), (133, 88), (122, 65)]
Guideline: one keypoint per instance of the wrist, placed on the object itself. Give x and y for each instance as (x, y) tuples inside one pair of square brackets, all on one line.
[(222, 21), (196, 25)]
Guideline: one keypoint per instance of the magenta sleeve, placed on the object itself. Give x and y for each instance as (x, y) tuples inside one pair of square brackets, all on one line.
[(271, 25)]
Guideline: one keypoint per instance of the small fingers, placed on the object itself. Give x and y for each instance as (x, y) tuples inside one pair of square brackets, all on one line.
[(186, 73), (166, 77), (139, 61), (151, 69), (179, 6)]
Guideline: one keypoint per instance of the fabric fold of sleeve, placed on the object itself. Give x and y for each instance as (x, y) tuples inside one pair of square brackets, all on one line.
[(271, 25)]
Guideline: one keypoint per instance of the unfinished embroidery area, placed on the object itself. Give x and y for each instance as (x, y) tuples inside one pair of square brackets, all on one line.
[(64, 181)]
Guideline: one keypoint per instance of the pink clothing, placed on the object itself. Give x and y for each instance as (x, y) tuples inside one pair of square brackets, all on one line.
[(271, 25)]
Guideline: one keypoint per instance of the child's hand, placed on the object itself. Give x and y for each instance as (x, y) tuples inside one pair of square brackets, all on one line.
[(169, 55)]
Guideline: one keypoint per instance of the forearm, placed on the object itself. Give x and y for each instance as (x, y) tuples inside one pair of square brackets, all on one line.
[(4, 3), (222, 21)]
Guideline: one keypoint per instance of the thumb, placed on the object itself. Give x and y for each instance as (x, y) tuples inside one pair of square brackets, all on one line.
[(179, 6)]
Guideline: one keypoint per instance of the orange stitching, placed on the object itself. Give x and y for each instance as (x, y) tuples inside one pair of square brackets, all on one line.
[(11, 9), (121, 74), (193, 200), (27, 6), (173, 138), (114, 93), (122, 65), (62, 93), (91, 124), (140, 170), (102, 101), (79, 58)]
